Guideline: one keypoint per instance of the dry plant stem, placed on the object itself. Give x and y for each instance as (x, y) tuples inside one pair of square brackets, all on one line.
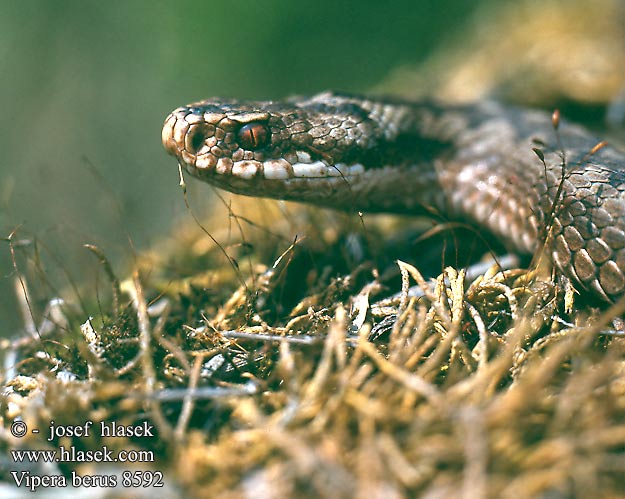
[(581, 385), (409, 380), (448, 328), (485, 381), (421, 342), (232, 263), (236, 218), (486, 285), (404, 471), (300, 339), (455, 294), (147, 363), (432, 296), (23, 299), (348, 380), (108, 270), (331, 349), (286, 368), (188, 401), (405, 285), (21, 292), (482, 345), (508, 403), (474, 483), (402, 332), (158, 333), (176, 351)]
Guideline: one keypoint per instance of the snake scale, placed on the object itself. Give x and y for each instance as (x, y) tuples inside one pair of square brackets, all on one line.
[(496, 166)]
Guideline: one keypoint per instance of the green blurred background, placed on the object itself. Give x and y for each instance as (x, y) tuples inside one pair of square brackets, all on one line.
[(85, 86)]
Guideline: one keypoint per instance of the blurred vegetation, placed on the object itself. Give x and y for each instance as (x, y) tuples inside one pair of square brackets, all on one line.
[(86, 85)]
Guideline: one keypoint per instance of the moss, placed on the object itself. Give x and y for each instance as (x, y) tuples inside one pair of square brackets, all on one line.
[(270, 379)]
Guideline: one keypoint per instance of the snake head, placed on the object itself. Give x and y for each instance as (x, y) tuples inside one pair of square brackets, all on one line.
[(307, 149)]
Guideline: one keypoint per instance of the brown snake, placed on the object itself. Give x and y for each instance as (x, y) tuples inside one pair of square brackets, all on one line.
[(473, 162)]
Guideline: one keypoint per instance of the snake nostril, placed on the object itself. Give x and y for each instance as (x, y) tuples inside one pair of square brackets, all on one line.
[(195, 138)]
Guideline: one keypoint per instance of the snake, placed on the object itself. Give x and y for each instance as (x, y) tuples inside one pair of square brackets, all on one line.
[(525, 175)]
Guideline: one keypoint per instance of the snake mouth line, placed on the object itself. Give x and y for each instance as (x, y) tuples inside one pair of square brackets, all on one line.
[(278, 169)]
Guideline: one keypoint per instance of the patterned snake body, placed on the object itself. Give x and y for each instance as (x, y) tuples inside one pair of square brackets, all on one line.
[(472, 162)]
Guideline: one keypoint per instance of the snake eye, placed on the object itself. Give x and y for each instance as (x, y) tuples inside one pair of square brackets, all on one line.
[(253, 136)]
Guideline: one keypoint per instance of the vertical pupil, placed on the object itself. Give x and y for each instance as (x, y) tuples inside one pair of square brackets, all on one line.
[(253, 135)]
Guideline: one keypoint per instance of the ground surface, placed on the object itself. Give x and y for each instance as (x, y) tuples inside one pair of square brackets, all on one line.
[(274, 350)]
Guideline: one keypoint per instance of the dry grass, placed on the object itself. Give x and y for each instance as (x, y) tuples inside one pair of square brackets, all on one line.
[(314, 378)]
